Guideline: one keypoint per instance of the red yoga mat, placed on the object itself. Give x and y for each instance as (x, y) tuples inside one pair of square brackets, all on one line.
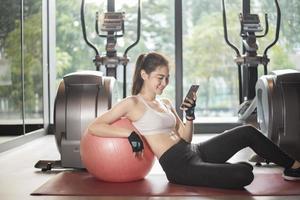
[(84, 184)]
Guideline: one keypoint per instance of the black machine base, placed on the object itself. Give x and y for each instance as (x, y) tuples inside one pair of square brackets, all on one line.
[(47, 165)]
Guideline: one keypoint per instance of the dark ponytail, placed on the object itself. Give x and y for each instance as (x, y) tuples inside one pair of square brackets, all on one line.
[(137, 79), (148, 62)]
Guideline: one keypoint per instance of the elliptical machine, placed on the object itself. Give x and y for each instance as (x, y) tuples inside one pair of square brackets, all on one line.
[(82, 96), (272, 100), (249, 60)]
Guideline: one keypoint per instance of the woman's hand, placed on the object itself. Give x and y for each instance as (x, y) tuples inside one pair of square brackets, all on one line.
[(188, 105), (136, 143)]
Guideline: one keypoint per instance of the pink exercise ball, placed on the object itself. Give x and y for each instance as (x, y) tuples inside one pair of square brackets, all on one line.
[(111, 159)]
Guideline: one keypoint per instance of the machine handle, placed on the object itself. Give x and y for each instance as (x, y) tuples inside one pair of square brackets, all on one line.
[(138, 30), (84, 29), (225, 32), (277, 28), (266, 28)]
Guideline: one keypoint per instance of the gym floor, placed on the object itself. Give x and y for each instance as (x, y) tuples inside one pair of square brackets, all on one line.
[(18, 177)]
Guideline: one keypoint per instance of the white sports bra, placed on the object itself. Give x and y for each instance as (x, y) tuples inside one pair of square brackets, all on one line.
[(155, 122)]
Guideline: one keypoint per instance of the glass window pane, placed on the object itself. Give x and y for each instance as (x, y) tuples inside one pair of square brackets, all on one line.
[(10, 67), (33, 70), (208, 61), (157, 34)]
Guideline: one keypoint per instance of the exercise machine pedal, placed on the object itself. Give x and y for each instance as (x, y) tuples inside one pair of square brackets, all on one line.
[(48, 165)]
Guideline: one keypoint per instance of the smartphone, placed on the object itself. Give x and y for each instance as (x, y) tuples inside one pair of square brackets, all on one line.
[(193, 89)]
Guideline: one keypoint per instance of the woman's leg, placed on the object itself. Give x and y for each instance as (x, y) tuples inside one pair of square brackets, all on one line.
[(230, 176), (183, 165), (222, 147), (203, 164)]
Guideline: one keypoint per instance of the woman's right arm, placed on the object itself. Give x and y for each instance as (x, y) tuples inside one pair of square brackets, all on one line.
[(101, 125)]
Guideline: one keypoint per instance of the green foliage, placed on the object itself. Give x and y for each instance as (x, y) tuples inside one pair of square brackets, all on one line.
[(9, 12), (32, 64), (280, 59), (72, 51), (63, 62)]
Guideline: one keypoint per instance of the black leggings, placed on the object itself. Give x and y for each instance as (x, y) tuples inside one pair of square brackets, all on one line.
[(205, 164)]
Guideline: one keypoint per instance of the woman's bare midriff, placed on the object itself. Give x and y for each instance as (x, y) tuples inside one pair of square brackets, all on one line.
[(160, 143)]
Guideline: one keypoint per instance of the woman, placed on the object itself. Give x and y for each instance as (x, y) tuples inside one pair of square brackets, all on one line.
[(170, 139)]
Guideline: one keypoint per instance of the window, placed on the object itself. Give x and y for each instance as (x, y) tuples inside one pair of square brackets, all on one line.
[(33, 70), (157, 34), (10, 61), (21, 85), (208, 61)]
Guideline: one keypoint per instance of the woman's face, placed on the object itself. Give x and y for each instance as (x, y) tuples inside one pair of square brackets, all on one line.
[(157, 80)]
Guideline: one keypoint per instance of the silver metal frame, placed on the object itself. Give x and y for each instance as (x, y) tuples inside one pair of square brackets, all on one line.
[(49, 57), (45, 32), (178, 56), (52, 57)]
